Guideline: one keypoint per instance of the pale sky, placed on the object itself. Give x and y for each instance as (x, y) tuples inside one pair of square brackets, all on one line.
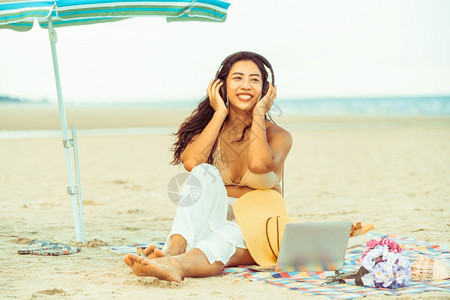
[(317, 48)]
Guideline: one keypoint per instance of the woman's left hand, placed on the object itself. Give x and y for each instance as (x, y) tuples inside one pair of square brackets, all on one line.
[(266, 102)]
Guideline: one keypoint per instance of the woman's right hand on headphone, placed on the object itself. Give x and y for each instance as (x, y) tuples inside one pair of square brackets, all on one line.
[(215, 99)]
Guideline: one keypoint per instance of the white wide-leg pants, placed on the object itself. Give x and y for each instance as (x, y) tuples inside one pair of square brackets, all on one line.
[(204, 224)]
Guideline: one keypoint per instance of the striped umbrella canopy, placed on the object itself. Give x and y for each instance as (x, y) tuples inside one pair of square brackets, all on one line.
[(19, 15)]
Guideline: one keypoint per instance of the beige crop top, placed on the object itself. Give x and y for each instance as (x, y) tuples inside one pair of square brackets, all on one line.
[(252, 180)]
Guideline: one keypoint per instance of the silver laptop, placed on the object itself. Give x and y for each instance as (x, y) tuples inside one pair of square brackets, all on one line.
[(314, 246)]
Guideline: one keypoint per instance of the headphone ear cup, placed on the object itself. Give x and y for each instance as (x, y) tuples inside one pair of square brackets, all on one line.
[(265, 89), (223, 93)]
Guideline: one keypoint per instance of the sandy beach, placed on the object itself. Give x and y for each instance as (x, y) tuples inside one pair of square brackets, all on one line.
[(392, 172)]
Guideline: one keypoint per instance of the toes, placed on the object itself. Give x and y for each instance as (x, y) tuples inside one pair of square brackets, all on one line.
[(149, 249), (128, 260), (153, 252)]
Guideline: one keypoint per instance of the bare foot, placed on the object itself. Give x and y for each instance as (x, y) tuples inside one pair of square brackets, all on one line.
[(164, 268)]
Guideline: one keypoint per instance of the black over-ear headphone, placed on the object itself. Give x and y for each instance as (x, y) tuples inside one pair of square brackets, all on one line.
[(223, 89)]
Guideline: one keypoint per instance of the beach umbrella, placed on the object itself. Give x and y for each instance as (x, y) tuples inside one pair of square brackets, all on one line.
[(20, 15)]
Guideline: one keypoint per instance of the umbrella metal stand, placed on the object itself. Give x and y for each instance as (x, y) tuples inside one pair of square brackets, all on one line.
[(74, 189)]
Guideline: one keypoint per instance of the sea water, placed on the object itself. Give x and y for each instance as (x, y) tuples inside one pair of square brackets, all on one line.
[(351, 106), (365, 106)]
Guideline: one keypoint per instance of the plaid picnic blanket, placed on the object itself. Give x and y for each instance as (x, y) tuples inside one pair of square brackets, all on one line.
[(311, 283)]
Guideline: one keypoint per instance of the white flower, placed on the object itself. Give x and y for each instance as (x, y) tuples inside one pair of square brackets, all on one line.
[(377, 251), (367, 280), (368, 262), (390, 258), (403, 262), (388, 276), (401, 276), (385, 250), (378, 272)]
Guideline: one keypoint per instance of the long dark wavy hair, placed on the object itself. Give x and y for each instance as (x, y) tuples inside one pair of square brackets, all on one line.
[(203, 114)]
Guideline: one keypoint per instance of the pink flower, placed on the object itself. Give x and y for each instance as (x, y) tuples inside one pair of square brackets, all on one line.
[(370, 244), (394, 247), (385, 241), (390, 244)]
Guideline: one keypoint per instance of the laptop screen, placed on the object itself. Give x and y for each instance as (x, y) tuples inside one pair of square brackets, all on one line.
[(313, 246)]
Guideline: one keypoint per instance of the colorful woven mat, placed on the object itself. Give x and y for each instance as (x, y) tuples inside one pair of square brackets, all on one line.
[(311, 283), (132, 248)]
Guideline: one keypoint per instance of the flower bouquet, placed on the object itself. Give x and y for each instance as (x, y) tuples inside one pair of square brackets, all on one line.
[(383, 266)]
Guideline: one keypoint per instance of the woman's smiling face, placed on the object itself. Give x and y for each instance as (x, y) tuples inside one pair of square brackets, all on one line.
[(244, 85)]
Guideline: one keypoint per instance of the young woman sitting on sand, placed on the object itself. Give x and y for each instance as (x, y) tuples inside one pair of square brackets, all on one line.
[(231, 147)]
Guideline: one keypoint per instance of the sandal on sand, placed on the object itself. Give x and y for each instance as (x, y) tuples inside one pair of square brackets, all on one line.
[(359, 229), (47, 248)]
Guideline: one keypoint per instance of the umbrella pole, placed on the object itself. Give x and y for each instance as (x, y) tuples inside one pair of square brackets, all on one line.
[(73, 190)]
